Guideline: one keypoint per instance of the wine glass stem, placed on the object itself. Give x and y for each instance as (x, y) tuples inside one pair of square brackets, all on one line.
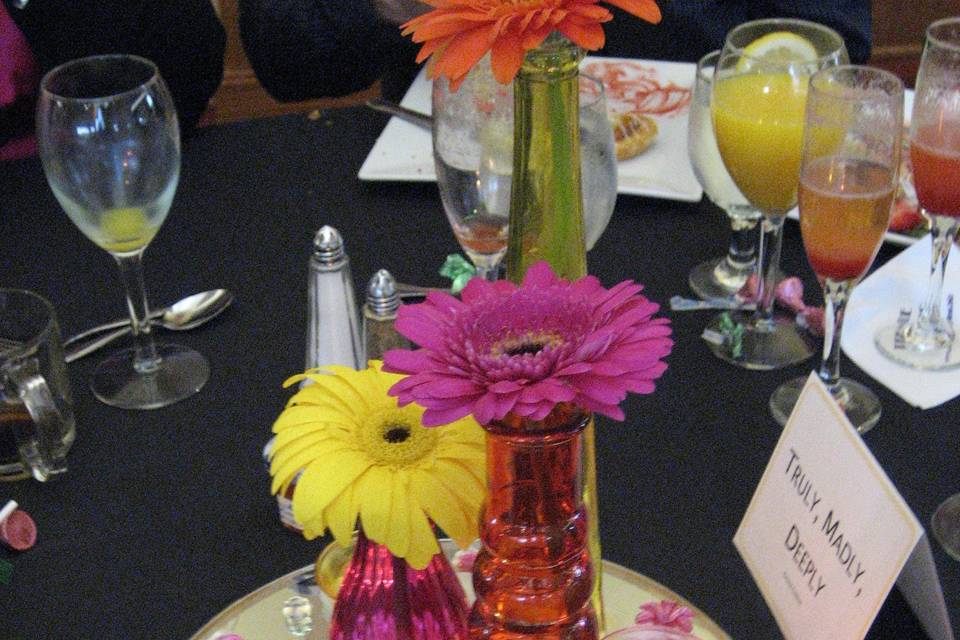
[(743, 242), (943, 230), (768, 261), (835, 295), (488, 273), (145, 359)]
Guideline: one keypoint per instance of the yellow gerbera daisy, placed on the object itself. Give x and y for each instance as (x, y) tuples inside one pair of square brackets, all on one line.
[(364, 456)]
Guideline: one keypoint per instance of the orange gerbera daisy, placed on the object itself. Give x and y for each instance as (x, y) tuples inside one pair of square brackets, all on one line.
[(457, 33)]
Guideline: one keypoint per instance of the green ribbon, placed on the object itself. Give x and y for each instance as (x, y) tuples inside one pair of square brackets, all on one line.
[(6, 571), (733, 332), (459, 270)]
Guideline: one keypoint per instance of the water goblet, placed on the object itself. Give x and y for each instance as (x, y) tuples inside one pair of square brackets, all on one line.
[(110, 146), (473, 157), (926, 340), (724, 276), (757, 104), (848, 178)]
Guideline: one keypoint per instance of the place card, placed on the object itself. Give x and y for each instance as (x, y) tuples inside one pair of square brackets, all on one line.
[(827, 534)]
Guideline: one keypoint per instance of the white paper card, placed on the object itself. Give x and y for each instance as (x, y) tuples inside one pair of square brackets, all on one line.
[(826, 533)]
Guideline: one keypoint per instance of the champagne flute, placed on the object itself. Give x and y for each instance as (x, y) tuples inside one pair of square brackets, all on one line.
[(848, 177), (758, 100), (724, 276), (110, 145), (926, 340)]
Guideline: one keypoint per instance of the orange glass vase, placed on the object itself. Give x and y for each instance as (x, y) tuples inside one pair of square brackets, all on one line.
[(533, 576)]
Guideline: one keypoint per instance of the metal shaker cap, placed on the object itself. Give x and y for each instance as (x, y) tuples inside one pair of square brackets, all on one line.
[(382, 296), (328, 246)]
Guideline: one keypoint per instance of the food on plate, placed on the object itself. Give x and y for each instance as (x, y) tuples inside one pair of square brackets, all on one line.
[(633, 132), (906, 217)]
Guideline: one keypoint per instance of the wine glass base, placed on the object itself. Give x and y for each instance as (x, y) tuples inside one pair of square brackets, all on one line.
[(860, 404), (764, 345), (916, 355), (705, 283), (181, 373), (945, 525)]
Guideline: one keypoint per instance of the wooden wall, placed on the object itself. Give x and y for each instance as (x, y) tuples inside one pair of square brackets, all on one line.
[(241, 96), (898, 29), (898, 32)]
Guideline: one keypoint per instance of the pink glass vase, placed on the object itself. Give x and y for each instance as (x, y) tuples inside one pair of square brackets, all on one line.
[(533, 576), (384, 598)]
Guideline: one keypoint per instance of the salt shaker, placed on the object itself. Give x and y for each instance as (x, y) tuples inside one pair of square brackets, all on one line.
[(379, 314), (333, 335)]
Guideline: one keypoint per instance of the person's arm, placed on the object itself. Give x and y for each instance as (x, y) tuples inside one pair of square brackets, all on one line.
[(302, 49), (852, 19), (692, 28), (184, 38)]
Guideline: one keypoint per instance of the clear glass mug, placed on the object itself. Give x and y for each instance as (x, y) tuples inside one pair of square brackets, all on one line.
[(37, 424)]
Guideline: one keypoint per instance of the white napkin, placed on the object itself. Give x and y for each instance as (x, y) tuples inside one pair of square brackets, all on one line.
[(876, 302)]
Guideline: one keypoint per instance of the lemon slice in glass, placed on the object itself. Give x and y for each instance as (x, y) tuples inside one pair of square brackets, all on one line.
[(777, 48)]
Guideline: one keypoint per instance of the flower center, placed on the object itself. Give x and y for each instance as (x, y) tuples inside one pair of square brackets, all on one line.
[(397, 434), (525, 348), (395, 437), (528, 343)]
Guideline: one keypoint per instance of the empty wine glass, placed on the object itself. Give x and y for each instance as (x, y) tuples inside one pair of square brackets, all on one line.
[(724, 276), (110, 145), (848, 178), (473, 157), (926, 341)]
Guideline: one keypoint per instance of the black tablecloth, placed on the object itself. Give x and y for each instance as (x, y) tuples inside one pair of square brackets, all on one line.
[(165, 516)]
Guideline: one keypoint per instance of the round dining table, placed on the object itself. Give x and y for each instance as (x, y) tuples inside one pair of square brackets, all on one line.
[(165, 517)]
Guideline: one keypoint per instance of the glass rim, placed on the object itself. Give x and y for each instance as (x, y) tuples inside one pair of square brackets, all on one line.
[(932, 36), (702, 64), (114, 57), (817, 81), (813, 26), (593, 97), (37, 336)]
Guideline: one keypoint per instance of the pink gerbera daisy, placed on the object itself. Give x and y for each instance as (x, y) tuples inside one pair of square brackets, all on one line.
[(523, 350)]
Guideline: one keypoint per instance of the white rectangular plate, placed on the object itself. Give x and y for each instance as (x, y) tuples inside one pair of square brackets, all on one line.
[(403, 150)]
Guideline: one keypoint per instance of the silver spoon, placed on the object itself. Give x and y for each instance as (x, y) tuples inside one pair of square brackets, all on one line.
[(189, 313), (679, 303), (414, 117), (405, 290)]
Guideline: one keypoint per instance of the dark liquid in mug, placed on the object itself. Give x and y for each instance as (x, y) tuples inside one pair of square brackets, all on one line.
[(10, 416)]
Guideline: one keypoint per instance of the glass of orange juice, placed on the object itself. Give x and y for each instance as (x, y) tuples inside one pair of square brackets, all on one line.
[(848, 177), (758, 101)]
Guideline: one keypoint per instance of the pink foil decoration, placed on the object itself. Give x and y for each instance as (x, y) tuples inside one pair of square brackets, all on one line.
[(789, 296), (666, 613), (383, 598)]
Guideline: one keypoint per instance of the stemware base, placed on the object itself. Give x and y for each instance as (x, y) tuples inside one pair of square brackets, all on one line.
[(859, 403), (945, 525), (929, 355), (180, 373), (764, 346), (717, 279)]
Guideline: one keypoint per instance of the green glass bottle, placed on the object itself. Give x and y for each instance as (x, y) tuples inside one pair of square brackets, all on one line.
[(546, 205)]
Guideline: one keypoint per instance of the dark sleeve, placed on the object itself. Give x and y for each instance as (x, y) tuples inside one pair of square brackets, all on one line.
[(852, 19), (692, 28), (184, 38), (303, 49)]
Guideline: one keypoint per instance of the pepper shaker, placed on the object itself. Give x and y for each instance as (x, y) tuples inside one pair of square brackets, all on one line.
[(379, 314), (333, 335)]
